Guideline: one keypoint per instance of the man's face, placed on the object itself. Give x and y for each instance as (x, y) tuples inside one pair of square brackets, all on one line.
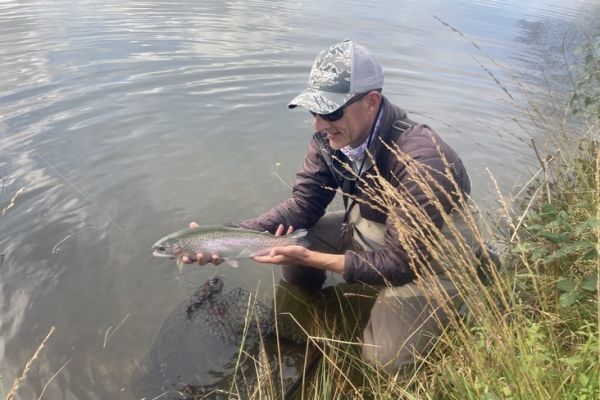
[(354, 127)]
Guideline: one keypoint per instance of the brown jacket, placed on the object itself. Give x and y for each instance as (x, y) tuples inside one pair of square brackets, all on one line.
[(312, 194)]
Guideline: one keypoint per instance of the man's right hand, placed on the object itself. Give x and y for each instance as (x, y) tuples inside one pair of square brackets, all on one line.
[(200, 259)]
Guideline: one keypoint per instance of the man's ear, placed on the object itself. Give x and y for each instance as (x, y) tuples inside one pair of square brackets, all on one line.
[(373, 99)]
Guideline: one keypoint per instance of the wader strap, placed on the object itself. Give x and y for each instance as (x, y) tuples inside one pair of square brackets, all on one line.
[(344, 184), (368, 234)]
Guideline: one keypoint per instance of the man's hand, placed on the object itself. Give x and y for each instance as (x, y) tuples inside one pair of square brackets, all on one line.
[(298, 255), (287, 255), (200, 259), (281, 229)]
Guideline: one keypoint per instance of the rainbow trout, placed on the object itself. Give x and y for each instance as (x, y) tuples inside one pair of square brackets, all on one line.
[(228, 243)]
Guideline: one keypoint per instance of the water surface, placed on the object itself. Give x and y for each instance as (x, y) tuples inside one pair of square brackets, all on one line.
[(125, 120)]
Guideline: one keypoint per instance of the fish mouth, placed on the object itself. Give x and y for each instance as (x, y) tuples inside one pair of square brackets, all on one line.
[(157, 253)]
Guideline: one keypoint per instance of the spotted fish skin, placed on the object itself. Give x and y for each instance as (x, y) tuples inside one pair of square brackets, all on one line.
[(228, 243)]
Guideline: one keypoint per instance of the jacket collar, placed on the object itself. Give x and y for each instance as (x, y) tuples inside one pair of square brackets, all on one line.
[(385, 132)]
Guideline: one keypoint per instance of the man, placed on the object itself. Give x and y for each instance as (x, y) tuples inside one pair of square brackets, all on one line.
[(355, 126)]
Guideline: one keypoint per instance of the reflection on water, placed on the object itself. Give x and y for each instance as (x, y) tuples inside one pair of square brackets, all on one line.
[(123, 121)]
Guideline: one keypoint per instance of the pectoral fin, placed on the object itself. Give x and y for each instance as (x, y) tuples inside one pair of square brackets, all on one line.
[(232, 261), (246, 252)]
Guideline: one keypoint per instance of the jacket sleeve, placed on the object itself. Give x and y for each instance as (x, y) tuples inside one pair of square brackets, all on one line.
[(392, 264), (314, 188)]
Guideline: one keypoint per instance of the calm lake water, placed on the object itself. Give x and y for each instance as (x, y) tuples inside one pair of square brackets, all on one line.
[(121, 121)]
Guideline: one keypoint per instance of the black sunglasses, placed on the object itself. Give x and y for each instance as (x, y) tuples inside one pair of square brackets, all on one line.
[(339, 113)]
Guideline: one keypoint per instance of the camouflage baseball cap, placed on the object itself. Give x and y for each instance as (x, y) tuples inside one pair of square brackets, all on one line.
[(338, 74)]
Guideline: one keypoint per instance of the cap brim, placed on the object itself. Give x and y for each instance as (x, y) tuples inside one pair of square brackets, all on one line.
[(320, 102)]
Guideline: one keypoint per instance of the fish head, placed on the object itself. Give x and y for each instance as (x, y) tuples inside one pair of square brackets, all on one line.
[(167, 248)]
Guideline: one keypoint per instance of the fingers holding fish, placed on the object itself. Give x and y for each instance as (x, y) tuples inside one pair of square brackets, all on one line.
[(201, 259), (281, 229)]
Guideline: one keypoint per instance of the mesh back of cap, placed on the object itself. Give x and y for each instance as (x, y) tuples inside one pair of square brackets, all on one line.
[(367, 73)]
